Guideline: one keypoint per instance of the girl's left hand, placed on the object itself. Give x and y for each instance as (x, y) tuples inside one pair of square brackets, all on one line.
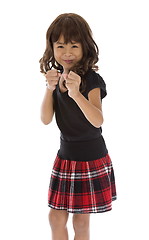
[(72, 83)]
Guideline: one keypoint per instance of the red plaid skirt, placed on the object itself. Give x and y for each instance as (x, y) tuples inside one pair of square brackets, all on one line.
[(82, 187)]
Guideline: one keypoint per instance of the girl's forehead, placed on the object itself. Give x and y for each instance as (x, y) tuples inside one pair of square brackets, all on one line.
[(61, 39)]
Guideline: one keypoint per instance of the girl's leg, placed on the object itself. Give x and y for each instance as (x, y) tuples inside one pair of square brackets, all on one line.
[(81, 224), (58, 221)]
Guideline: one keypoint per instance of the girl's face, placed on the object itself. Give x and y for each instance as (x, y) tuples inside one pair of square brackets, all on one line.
[(68, 54)]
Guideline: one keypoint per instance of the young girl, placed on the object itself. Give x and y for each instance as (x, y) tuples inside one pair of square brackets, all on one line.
[(82, 180)]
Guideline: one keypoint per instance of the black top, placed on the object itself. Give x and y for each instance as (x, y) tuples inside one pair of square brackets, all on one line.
[(80, 140)]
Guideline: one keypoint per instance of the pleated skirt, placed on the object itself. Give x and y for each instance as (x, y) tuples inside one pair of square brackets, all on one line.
[(82, 186)]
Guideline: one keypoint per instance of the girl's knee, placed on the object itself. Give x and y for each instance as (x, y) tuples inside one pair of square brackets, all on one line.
[(58, 218), (81, 222)]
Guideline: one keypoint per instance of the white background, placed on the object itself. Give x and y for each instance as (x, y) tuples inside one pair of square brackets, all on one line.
[(28, 148)]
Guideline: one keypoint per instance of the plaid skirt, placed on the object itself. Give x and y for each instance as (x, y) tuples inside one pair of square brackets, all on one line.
[(82, 187)]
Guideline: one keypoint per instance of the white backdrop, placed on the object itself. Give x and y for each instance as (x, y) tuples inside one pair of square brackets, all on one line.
[(28, 148)]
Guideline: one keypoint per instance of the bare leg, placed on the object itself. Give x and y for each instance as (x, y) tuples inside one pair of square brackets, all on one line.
[(81, 224), (58, 222)]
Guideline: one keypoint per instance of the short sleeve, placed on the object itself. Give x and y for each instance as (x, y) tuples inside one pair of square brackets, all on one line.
[(94, 80)]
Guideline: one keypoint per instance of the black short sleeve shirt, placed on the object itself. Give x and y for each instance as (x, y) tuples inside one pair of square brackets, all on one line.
[(73, 125)]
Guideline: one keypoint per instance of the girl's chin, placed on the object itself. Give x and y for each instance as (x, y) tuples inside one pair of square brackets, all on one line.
[(66, 68)]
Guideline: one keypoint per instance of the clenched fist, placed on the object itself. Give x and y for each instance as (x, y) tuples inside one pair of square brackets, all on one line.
[(52, 78), (72, 82)]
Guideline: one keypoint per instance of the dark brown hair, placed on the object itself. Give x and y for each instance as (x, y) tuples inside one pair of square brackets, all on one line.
[(74, 28)]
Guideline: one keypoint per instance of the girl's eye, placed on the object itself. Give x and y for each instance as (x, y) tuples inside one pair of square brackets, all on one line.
[(60, 46), (75, 46)]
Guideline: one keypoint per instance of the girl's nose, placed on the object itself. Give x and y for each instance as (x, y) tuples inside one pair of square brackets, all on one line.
[(67, 54)]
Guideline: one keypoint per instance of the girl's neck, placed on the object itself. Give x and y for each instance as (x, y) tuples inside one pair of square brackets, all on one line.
[(66, 71)]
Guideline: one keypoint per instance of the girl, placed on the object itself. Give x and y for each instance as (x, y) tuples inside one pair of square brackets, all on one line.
[(82, 180)]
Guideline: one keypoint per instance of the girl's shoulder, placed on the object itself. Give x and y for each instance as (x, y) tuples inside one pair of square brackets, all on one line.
[(94, 80)]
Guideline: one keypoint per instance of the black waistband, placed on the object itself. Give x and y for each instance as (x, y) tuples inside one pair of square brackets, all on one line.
[(82, 151)]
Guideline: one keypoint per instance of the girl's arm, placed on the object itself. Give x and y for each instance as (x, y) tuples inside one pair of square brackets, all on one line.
[(47, 109), (91, 108)]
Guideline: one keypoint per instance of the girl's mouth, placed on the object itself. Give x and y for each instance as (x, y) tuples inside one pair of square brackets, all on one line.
[(68, 61)]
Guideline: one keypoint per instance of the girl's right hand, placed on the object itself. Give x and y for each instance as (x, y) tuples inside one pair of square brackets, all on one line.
[(52, 78)]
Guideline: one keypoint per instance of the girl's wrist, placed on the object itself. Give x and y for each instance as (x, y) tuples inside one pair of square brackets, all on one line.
[(51, 89), (75, 95)]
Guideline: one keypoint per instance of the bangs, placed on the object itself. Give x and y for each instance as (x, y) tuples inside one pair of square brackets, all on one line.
[(69, 29)]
